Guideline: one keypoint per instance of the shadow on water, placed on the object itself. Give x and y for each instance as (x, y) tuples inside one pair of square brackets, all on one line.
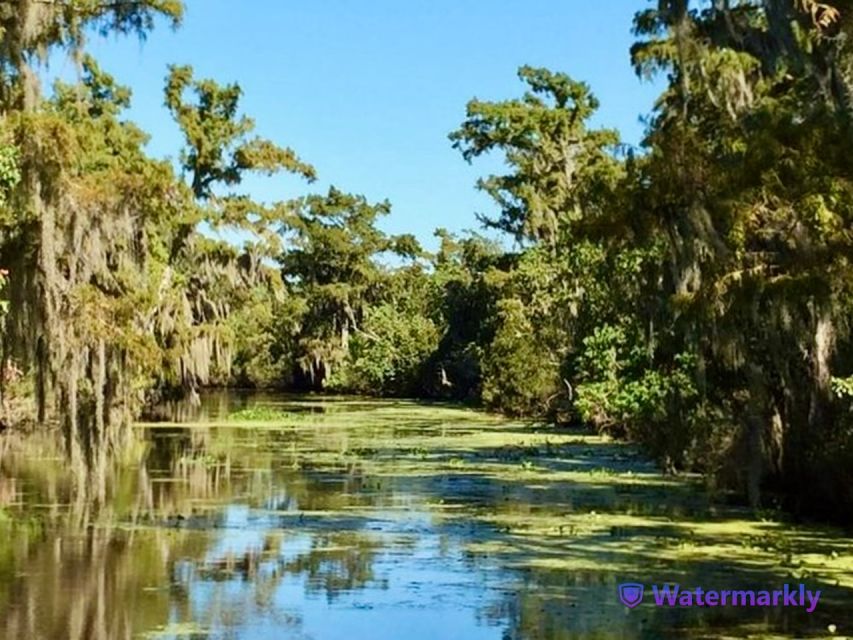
[(264, 516)]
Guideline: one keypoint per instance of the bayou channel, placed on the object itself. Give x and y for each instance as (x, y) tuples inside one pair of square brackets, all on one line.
[(274, 516)]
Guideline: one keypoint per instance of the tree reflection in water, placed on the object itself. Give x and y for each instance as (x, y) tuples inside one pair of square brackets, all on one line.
[(356, 519), (173, 551)]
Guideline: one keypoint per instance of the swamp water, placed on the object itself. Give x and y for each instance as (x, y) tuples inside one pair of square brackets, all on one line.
[(296, 517)]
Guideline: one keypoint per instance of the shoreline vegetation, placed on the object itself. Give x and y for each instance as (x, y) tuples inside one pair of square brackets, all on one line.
[(691, 296)]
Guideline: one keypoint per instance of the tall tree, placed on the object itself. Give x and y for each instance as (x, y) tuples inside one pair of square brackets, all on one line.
[(749, 181), (333, 265), (75, 226), (208, 279), (560, 169)]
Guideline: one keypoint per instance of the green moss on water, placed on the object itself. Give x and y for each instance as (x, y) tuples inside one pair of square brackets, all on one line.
[(263, 413), (178, 630), (360, 479)]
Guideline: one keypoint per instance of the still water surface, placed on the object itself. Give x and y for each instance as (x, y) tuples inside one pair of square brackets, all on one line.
[(294, 517)]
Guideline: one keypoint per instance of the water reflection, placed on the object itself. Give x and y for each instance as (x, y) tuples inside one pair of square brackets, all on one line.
[(288, 517)]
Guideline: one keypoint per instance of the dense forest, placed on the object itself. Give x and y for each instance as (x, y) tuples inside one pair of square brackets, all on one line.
[(692, 295)]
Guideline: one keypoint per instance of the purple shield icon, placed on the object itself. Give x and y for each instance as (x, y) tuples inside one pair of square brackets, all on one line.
[(631, 594)]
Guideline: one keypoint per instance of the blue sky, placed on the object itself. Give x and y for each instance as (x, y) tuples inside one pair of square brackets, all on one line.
[(368, 91)]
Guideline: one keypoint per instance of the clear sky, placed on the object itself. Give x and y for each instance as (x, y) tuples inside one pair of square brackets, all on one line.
[(368, 91)]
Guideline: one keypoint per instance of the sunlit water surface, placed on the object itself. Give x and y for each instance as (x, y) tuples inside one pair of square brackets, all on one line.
[(294, 517)]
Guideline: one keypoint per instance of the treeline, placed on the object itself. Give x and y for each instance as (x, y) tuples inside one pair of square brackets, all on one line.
[(691, 295)]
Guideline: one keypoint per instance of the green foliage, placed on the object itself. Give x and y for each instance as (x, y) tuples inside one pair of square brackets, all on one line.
[(389, 353), (843, 387), (10, 173), (218, 150), (747, 178), (516, 377), (602, 357), (465, 302), (262, 355), (333, 265), (561, 170)]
